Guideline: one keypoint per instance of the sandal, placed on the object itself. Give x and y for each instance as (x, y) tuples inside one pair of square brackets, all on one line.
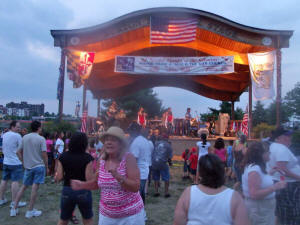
[(74, 220)]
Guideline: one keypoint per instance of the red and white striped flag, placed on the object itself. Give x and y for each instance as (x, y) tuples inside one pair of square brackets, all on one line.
[(245, 122), (83, 128), (172, 31)]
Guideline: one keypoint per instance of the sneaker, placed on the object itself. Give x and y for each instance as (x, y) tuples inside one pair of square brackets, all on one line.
[(33, 213), (3, 201), (21, 204), (14, 212)]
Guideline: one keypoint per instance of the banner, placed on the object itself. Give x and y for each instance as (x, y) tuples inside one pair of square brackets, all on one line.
[(174, 65), (79, 66), (262, 70)]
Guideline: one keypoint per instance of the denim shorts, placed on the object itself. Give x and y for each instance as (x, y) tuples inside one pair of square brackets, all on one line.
[(34, 176), (12, 172), (164, 173), (69, 200)]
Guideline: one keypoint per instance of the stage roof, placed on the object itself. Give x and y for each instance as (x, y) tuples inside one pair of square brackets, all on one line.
[(130, 35)]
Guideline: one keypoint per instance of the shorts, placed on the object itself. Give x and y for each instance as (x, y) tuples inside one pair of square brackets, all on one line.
[(186, 167), (69, 200), (163, 173), (12, 172), (193, 171), (136, 219), (35, 175)]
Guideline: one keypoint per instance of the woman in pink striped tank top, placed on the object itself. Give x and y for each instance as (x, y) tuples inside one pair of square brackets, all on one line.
[(118, 179)]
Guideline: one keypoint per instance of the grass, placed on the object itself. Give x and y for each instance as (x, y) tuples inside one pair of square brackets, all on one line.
[(159, 210)]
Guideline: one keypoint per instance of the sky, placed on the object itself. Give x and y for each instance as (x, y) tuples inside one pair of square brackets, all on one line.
[(29, 61)]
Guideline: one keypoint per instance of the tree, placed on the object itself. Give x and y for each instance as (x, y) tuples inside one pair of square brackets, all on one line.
[(292, 101), (259, 114), (145, 98), (271, 113)]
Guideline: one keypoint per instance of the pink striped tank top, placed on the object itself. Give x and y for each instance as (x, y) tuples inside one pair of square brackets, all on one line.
[(116, 202)]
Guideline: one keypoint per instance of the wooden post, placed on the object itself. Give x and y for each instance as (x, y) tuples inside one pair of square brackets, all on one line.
[(98, 107), (278, 97), (84, 98), (232, 110), (61, 85), (250, 110)]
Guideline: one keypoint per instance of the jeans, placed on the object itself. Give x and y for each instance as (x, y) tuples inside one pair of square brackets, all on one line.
[(142, 189)]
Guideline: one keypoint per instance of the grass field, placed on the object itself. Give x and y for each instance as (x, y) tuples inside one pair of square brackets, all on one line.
[(160, 211)]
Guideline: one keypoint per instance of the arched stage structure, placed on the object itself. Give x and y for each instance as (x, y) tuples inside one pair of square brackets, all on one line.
[(130, 35)]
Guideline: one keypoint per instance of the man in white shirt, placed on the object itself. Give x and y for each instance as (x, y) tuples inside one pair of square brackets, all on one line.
[(141, 150), (284, 166), (33, 154), (12, 166)]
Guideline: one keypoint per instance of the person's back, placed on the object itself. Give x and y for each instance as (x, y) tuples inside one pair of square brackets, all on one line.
[(221, 153), (74, 165), (210, 209), (33, 144), (203, 148), (11, 144), (161, 154)]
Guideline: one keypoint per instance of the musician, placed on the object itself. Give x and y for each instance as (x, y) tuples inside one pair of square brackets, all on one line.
[(141, 119), (169, 121), (212, 126), (187, 122), (111, 113)]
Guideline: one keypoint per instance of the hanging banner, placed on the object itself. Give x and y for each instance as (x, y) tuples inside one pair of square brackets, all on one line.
[(79, 66), (262, 72), (174, 65)]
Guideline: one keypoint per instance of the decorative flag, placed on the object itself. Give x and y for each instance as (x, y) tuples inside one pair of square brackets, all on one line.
[(79, 66), (84, 117), (262, 70), (245, 122), (172, 31), (61, 77)]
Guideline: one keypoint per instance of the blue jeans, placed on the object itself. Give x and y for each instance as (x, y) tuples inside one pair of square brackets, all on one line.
[(142, 189), (34, 176), (69, 200)]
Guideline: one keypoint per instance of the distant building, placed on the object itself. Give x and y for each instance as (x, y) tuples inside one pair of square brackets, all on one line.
[(3, 111), (24, 109)]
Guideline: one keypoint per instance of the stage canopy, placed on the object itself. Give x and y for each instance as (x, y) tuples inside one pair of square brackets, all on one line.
[(130, 35)]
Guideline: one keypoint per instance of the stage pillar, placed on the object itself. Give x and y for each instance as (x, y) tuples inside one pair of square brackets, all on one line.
[(232, 110), (98, 107), (278, 96), (250, 110), (83, 98), (61, 85)]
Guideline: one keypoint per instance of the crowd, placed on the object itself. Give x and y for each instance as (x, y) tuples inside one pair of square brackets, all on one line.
[(266, 176)]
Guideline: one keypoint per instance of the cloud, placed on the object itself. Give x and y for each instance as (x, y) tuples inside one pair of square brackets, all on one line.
[(38, 49)]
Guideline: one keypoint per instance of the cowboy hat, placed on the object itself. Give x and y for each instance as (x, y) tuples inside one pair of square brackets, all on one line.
[(115, 132)]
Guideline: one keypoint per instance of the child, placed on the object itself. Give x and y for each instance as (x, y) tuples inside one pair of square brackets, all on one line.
[(193, 160), (186, 168), (229, 160)]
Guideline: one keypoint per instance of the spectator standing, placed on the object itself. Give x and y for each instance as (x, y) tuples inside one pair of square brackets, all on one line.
[(12, 166), (239, 150), (193, 159), (186, 167), (210, 202), (50, 152), (141, 150), (59, 147), (258, 187), (203, 148), (75, 164), (286, 166), (220, 150), (118, 179), (229, 160), (162, 155), (33, 154)]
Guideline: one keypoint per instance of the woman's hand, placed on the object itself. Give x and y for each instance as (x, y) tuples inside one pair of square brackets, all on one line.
[(76, 185), (279, 185)]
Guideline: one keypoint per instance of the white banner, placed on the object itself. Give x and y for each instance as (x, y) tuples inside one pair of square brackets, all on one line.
[(262, 70), (174, 65)]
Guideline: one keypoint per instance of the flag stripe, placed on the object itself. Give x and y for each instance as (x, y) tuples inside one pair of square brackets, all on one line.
[(168, 31)]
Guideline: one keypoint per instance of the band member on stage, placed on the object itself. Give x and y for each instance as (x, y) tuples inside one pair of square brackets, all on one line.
[(141, 120), (187, 122), (111, 113), (169, 121), (212, 126)]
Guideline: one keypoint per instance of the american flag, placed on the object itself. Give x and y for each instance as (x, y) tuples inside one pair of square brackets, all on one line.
[(172, 31), (83, 128), (245, 122)]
